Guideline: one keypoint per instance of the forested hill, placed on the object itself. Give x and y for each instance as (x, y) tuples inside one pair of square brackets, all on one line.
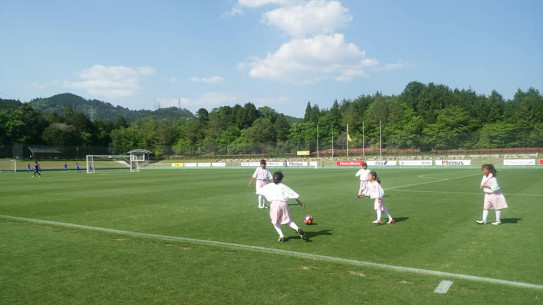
[(95, 109)]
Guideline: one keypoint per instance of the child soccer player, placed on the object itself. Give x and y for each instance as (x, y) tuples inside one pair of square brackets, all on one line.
[(37, 169), (376, 192), (494, 198), (65, 167), (278, 194), (262, 176), (363, 174)]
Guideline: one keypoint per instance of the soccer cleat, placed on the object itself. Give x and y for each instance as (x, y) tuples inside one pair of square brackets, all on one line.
[(302, 234), (281, 238), (377, 222), (481, 222), (496, 223), (390, 221)]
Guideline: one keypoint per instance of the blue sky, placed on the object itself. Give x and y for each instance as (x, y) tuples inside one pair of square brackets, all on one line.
[(276, 53)]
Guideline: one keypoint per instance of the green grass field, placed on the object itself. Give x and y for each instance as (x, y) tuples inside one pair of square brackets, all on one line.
[(197, 237)]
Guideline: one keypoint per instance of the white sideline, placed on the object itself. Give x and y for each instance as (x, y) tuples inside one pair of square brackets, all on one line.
[(286, 252)]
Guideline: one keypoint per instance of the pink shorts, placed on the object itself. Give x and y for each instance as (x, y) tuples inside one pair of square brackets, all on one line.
[(280, 213), (494, 201), (379, 206)]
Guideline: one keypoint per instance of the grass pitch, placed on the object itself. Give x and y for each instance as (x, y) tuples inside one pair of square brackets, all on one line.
[(197, 237)]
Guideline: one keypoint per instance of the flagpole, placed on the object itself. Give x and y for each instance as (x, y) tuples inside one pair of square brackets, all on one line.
[(380, 141), (363, 141), (332, 141), (317, 142), (347, 140)]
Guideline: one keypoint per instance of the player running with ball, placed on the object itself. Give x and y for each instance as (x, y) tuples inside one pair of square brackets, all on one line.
[(278, 194)]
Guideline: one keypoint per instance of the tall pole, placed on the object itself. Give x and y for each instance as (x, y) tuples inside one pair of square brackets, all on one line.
[(363, 142), (380, 142), (347, 140), (317, 141), (333, 141)]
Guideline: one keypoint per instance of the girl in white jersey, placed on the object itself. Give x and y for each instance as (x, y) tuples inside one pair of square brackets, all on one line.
[(376, 192), (494, 198), (262, 176), (278, 194), (363, 175)]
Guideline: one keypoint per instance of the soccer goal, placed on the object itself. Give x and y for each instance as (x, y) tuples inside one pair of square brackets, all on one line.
[(107, 163), (8, 165)]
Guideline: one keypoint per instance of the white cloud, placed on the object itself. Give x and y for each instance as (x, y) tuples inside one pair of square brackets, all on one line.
[(110, 81), (209, 80), (315, 17), (306, 61), (398, 65), (259, 3)]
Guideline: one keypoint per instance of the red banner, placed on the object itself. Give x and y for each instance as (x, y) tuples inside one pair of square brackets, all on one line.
[(540, 161), (349, 163)]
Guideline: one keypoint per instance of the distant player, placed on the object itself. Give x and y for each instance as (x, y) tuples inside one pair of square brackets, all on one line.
[(65, 167), (77, 169), (278, 194), (37, 169), (262, 176), (363, 175), (494, 198), (376, 192), (28, 168)]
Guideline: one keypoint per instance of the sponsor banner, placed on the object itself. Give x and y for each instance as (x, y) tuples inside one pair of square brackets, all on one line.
[(274, 163), (191, 164), (313, 163), (540, 161), (349, 163), (303, 153), (218, 164), (251, 164), (519, 162), (381, 163), (178, 164), (296, 163), (205, 164), (415, 162), (452, 162)]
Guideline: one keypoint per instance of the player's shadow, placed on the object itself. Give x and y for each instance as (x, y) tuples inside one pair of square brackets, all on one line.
[(311, 234), (510, 220), (400, 219)]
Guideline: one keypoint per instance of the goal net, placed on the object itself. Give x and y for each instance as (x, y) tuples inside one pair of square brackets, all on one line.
[(8, 165), (104, 163)]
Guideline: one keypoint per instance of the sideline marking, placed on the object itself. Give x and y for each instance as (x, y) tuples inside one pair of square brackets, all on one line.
[(444, 179), (285, 252), (443, 287)]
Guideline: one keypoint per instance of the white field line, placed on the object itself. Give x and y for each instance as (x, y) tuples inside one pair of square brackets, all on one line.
[(443, 287), (279, 251), (395, 188)]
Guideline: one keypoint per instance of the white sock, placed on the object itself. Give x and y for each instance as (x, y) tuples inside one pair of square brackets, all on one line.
[(278, 229), (260, 199), (498, 215), (379, 214), (294, 226), (485, 215)]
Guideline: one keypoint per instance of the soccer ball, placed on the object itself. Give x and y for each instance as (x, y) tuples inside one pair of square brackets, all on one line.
[(308, 219)]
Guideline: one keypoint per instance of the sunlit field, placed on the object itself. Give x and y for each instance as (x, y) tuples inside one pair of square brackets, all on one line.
[(196, 236)]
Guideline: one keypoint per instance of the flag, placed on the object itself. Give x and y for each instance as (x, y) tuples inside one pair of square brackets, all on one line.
[(349, 138)]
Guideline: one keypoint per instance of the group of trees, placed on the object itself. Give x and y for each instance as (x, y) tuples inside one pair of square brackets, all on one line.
[(424, 116)]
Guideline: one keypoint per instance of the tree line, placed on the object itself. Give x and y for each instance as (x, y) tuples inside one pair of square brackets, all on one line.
[(425, 117)]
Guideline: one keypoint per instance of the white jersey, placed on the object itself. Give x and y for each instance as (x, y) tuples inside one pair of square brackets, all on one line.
[(262, 174), (277, 192), (493, 182), (363, 174), (374, 190)]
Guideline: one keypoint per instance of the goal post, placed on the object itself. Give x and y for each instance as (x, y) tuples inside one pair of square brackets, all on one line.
[(8, 165), (100, 163)]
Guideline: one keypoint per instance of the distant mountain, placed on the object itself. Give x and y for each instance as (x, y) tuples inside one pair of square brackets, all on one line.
[(95, 109)]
